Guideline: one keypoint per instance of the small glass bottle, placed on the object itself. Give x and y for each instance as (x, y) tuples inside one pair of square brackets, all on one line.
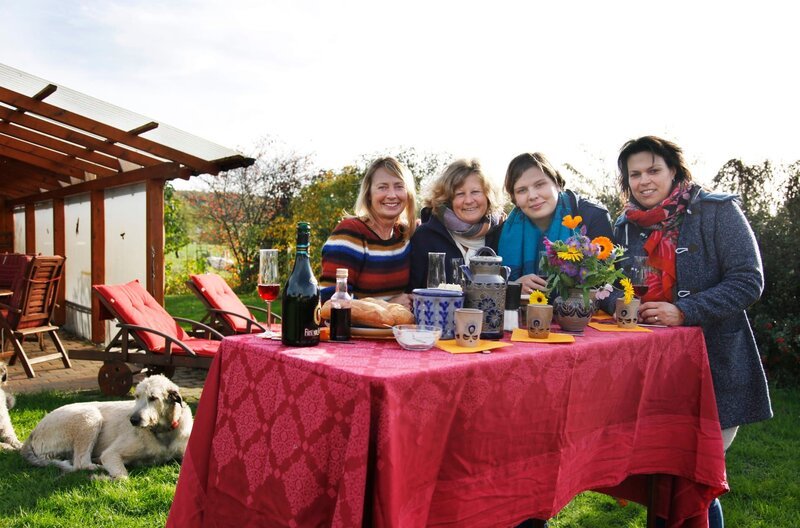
[(340, 308)]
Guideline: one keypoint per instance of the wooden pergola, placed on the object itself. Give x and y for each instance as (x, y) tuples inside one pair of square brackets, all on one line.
[(56, 143)]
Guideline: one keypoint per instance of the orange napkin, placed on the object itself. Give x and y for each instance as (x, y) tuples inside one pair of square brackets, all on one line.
[(600, 315), (449, 345), (521, 334), (605, 327)]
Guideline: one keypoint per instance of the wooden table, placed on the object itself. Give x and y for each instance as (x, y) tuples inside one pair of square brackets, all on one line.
[(370, 434)]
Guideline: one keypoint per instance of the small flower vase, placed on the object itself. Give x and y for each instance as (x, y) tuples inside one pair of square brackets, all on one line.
[(573, 314), (538, 320), (627, 315)]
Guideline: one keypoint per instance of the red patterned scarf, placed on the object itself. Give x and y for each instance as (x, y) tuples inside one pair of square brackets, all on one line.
[(664, 221)]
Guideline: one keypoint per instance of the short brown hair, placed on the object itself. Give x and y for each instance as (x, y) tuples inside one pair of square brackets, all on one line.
[(672, 154), (526, 161)]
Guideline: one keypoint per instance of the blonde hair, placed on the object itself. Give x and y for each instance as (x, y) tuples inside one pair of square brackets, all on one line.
[(363, 207), (442, 191)]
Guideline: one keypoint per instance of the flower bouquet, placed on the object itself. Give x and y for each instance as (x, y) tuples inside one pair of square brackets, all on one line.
[(580, 266)]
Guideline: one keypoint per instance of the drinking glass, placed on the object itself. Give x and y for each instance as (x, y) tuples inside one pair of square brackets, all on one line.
[(542, 258), (639, 272), (458, 275), (436, 273), (268, 286)]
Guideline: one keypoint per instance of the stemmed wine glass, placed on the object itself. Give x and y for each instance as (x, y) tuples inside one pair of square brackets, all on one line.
[(268, 286), (640, 271)]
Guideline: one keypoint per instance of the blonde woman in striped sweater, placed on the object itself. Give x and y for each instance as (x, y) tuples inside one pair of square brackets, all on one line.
[(374, 243)]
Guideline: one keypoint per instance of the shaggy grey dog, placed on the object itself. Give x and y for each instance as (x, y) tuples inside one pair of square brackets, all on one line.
[(8, 438), (152, 429)]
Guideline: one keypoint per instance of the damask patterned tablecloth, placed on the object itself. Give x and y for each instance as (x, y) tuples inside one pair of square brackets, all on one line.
[(369, 434)]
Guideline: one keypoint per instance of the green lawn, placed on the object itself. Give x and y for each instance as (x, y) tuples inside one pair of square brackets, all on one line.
[(190, 307), (762, 468)]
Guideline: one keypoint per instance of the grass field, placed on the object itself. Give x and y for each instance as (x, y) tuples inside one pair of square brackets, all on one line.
[(762, 468)]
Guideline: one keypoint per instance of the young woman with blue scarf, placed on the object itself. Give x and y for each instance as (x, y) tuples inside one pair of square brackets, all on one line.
[(540, 200)]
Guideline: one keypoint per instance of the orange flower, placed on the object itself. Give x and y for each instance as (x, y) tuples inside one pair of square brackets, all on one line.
[(571, 222), (606, 246)]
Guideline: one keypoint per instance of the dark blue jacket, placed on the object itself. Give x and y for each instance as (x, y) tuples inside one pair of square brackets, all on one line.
[(719, 275)]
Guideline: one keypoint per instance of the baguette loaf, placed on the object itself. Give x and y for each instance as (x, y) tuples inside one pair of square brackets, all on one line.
[(374, 313)]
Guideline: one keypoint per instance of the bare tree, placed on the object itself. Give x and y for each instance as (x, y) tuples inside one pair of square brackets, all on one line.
[(242, 202)]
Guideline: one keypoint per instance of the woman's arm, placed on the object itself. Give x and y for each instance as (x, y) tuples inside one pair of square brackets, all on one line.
[(345, 248), (742, 276)]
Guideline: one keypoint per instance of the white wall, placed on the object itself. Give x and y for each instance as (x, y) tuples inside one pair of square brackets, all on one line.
[(19, 230), (126, 238), (126, 234), (44, 228), (78, 266)]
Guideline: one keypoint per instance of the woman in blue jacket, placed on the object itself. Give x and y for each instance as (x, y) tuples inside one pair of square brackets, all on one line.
[(458, 210), (707, 272), (540, 200)]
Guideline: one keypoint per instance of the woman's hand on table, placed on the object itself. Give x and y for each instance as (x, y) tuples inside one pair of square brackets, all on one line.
[(662, 313), (403, 299), (532, 282)]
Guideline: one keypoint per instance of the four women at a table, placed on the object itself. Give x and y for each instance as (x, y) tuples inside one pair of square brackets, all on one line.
[(708, 271)]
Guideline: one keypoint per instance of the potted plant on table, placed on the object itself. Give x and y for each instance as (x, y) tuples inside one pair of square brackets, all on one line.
[(580, 269)]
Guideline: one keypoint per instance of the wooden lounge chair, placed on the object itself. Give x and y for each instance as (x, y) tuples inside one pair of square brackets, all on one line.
[(28, 311), (225, 311), (148, 336)]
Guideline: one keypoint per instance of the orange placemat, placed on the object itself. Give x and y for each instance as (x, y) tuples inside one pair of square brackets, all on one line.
[(521, 334), (600, 315), (606, 327), (449, 345)]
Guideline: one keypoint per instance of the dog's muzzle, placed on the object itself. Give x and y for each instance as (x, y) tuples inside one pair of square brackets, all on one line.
[(136, 420)]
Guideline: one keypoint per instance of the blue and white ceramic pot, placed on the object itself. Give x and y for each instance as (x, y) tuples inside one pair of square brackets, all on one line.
[(435, 307)]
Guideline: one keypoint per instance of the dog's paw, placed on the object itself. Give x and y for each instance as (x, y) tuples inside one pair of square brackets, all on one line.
[(11, 446)]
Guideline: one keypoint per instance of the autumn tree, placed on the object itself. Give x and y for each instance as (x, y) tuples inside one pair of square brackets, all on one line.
[(329, 198), (240, 204), (770, 199), (175, 234)]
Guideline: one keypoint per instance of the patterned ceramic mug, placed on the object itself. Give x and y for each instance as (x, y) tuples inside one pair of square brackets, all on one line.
[(468, 326)]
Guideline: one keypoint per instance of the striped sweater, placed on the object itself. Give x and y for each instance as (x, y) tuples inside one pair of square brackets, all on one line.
[(376, 268)]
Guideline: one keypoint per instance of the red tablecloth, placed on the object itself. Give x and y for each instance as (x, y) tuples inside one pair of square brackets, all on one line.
[(371, 434)]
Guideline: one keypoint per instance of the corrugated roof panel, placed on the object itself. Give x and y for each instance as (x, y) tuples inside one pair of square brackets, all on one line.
[(112, 115)]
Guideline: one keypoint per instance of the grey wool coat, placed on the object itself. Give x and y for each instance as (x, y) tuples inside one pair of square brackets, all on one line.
[(719, 275)]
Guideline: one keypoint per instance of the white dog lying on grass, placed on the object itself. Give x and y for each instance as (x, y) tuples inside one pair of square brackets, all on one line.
[(152, 429), (8, 437)]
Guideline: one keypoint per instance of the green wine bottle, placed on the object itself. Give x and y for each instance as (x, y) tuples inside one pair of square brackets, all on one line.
[(300, 300)]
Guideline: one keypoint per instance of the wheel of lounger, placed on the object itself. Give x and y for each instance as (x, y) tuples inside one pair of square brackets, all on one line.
[(166, 370), (115, 378)]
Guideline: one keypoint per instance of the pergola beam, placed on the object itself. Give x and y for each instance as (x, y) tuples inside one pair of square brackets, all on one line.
[(66, 117)]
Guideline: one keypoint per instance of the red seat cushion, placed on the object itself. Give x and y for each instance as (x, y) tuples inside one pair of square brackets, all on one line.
[(132, 304), (222, 297)]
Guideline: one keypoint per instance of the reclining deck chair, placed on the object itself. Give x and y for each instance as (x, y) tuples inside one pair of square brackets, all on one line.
[(148, 336), (30, 307), (225, 311)]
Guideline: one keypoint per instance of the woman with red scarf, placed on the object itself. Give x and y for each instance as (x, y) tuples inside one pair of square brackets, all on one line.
[(707, 272)]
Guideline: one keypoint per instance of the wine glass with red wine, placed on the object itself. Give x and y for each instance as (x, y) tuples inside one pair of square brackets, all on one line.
[(640, 272), (268, 285)]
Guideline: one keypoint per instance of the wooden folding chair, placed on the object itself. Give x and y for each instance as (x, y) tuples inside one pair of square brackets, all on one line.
[(30, 308), (148, 336), (224, 310)]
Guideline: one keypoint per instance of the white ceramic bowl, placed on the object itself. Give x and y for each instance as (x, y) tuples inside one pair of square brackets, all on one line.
[(416, 337)]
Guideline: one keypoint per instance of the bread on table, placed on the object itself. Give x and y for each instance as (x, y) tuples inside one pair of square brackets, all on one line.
[(374, 313)]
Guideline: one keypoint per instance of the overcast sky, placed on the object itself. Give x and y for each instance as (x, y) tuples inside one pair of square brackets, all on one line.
[(487, 79)]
